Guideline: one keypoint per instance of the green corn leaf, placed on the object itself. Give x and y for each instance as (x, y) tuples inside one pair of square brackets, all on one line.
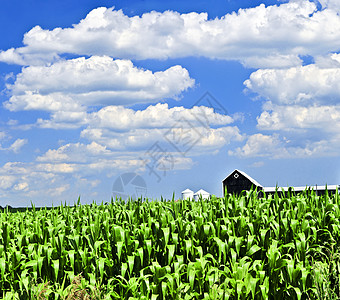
[(264, 288), (40, 263), (148, 244), (166, 234), (297, 292), (304, 275), (140, 253), (71, 257), (97, 245), (171, 253), (174, 237), (101, 266), (164, 288), (2, 266), (56, 268), (124, 269), (191, 277), (238, 244), (240, 287), (154, 296), (188, 246), (253, 249), (206, 229), (131, 262), (233, 256), (253, 283), (119, 250)]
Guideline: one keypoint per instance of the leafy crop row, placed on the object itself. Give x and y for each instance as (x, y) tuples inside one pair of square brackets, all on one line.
[(237, 247)]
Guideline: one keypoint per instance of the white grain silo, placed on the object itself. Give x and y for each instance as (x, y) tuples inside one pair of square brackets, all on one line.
[(187, 194), (201, 193)]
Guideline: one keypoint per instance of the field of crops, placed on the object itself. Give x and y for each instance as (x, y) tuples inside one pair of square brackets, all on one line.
[(237, 247)]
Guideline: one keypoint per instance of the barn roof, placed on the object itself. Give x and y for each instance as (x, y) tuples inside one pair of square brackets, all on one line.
[(252, 180)]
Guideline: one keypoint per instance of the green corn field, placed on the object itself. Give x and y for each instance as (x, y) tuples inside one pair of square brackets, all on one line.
[(237, 247)]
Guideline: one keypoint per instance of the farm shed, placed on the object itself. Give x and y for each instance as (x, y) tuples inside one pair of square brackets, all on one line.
[(319, 189), (238, 181), (187, 194), (201, 193)]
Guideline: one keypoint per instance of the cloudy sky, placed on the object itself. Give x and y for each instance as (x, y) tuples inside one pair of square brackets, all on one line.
[(178, 92)]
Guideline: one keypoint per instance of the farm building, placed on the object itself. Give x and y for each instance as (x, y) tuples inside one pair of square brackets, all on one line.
[(238, 181), (201, 193), (187, 194), (319, 189)]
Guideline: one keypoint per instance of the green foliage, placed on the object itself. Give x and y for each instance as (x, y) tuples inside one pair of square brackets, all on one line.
[(237, 247)]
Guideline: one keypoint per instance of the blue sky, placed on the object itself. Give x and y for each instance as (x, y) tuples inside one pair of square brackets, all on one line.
[(178, 92)]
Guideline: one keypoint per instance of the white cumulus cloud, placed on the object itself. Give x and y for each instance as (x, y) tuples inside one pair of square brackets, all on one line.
[(332, 4), (305, 85), (260, 36), (301, 110), (76, 153), (121, 128), (275, 147), (14, 146), (325, 118), (17, 145), (71, 85), (155, 116)]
